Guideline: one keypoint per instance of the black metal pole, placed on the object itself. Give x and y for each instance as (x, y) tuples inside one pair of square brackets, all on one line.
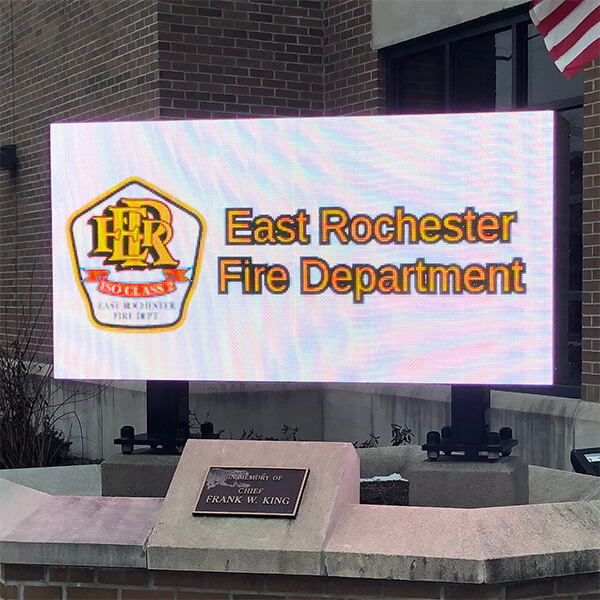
[(167, 419), (470, 411), (167, 416), (469, 432)]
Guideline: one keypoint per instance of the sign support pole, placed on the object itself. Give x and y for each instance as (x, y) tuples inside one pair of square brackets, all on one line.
[(469, 432), (167, 418)]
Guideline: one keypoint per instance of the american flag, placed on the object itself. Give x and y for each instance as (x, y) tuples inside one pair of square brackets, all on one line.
[(571, 31)]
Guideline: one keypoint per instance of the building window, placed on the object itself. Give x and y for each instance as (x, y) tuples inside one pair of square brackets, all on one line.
[(483, 72), (498, 63)]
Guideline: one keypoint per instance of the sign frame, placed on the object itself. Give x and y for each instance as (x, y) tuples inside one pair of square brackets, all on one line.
[(264, 478)]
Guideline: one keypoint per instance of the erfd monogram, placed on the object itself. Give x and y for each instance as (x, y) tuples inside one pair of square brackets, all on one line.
[(133, 234)]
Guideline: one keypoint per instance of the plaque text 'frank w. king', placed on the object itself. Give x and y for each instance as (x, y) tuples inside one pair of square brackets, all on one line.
[(251, 491)]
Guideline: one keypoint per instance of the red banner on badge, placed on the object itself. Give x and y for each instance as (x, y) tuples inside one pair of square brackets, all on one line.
[(136, 290)]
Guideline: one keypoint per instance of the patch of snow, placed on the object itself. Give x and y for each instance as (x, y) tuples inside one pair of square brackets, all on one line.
[(390, 477)]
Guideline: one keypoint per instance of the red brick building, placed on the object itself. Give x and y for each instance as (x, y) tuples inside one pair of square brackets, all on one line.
[(83, 60), (135, 60)]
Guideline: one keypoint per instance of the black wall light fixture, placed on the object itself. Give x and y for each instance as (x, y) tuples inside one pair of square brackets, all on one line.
[(8, 157)]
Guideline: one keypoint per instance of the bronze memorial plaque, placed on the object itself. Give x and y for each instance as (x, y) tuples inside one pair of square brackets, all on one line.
[(251, 491)]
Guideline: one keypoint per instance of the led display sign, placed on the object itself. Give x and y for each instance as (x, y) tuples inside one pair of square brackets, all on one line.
[(411, 249)]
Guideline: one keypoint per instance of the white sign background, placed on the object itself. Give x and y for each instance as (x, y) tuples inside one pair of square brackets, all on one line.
[(496, 162)]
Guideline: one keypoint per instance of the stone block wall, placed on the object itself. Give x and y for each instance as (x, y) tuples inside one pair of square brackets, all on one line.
[(37, 582)]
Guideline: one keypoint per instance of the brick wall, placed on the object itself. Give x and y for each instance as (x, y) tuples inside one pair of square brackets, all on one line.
[(31, 582), (354, 75), (230, 58), (60, 60), (590, 334)]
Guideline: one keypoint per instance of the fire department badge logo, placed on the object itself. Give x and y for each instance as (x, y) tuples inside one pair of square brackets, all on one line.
[(136, 252)]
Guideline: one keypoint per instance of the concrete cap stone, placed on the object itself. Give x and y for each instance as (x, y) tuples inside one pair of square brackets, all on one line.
[(74, 530), (17, 502), (481, 545), (185, 541)]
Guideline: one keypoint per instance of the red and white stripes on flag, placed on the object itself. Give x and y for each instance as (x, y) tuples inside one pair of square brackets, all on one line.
[(571, 31)]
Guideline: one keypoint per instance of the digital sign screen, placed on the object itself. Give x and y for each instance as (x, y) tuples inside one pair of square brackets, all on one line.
[(393, 249)]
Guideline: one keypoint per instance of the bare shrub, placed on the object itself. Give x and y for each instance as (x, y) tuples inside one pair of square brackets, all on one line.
[(29, 406)]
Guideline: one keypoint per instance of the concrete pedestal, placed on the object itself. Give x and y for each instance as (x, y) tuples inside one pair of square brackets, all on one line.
[(184, 541), (141, 474), (456, 483)]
